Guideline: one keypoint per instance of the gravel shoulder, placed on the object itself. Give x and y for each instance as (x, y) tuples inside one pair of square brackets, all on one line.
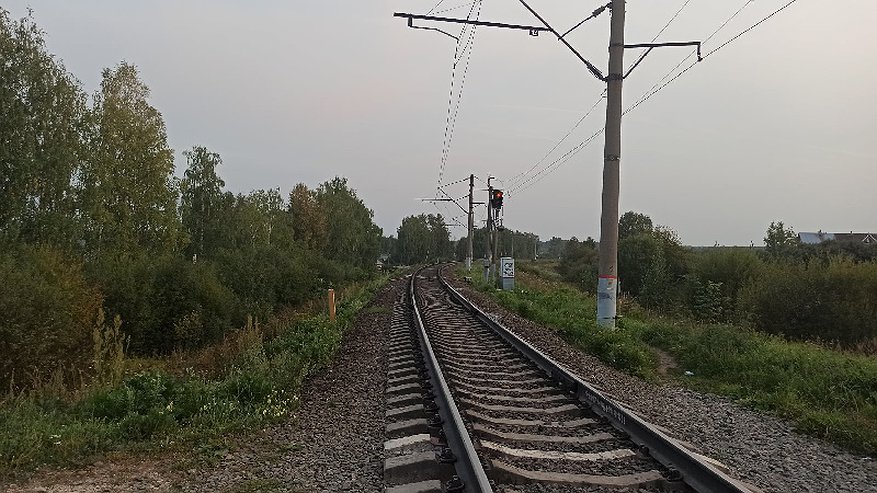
[(760, 449), (333, 442)]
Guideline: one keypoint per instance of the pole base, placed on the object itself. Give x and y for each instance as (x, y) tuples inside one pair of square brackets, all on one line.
[(607, 294)]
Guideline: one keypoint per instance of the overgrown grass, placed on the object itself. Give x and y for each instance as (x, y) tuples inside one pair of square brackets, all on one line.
[(255, 380), (826, 393), (571, 312)]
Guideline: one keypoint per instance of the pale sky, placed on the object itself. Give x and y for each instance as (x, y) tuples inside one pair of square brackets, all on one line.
[(779, 125)]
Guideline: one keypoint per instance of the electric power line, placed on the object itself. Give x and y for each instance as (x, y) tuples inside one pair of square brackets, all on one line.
[(449, 9), (726, 43), (679, 11), (454, 182), (590, 110), (435, 6), (451, 117), (705, 41), (529, 182), (651, 93), (561, 141), (557, 163)]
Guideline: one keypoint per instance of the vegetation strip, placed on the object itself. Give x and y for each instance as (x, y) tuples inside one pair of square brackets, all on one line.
[(826, 393), (155, 409)]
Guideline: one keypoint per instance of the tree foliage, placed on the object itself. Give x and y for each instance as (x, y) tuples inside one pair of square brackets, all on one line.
[(578, 263), (352, 236), (43, 117), (780, 242), (201, 200), (422, 238), (91, 218), (129, 195), (633, 223), (308, 219)]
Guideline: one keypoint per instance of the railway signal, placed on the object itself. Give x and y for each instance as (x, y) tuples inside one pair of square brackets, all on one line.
[(496, 199)]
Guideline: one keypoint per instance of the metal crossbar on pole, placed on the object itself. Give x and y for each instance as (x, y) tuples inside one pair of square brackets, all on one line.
[(412, 17), (607, 283)]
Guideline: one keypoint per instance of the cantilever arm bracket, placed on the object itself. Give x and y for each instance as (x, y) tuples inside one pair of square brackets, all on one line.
[(425, 28), (652, 46), (533, 30)]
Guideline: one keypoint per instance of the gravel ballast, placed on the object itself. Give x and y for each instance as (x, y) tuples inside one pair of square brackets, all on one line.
[(335, 442), (760, 449)]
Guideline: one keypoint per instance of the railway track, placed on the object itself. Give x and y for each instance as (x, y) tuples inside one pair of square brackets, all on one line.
[(473, 408)]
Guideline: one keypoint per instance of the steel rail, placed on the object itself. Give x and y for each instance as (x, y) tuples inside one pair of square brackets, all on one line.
[(695, 471), (468, 465)]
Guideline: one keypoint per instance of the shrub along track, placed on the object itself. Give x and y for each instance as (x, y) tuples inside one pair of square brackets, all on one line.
[(533, 426)]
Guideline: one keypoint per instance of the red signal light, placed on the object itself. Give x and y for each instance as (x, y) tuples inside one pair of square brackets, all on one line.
[(496, 200)]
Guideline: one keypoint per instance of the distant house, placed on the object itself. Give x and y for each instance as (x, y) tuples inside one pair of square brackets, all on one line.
[(820, 237)]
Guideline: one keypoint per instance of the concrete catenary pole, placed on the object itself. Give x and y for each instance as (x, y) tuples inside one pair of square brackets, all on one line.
[(607, 282), (488, 251), (488, 245), (470, 251), (494, 266)]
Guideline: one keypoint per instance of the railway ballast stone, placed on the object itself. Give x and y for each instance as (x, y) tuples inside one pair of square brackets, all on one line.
[(762, 450)]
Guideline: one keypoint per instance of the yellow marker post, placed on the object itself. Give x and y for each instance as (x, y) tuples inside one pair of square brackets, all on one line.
[(331, 305)]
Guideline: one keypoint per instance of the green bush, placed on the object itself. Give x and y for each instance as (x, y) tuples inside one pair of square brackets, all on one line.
[(650, 264), (728, 269), (47, 313), (266, 276), (191, 294), (166, 302), (706, 301), (815, 301), (578, 264)]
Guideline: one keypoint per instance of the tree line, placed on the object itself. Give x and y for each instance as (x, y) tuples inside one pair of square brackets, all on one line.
[(94, 224), (427, 238), (825, 292)]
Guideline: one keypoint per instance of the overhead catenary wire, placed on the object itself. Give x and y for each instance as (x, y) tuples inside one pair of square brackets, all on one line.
[(435, 6), (454, 109), (455, 182), (726, 43), (555, 164), (591, 109), (651, 93), (660, 32), (657, 88), (705, 41), (449, 9)]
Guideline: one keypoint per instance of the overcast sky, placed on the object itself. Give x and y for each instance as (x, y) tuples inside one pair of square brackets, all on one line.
[(779, 125)]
